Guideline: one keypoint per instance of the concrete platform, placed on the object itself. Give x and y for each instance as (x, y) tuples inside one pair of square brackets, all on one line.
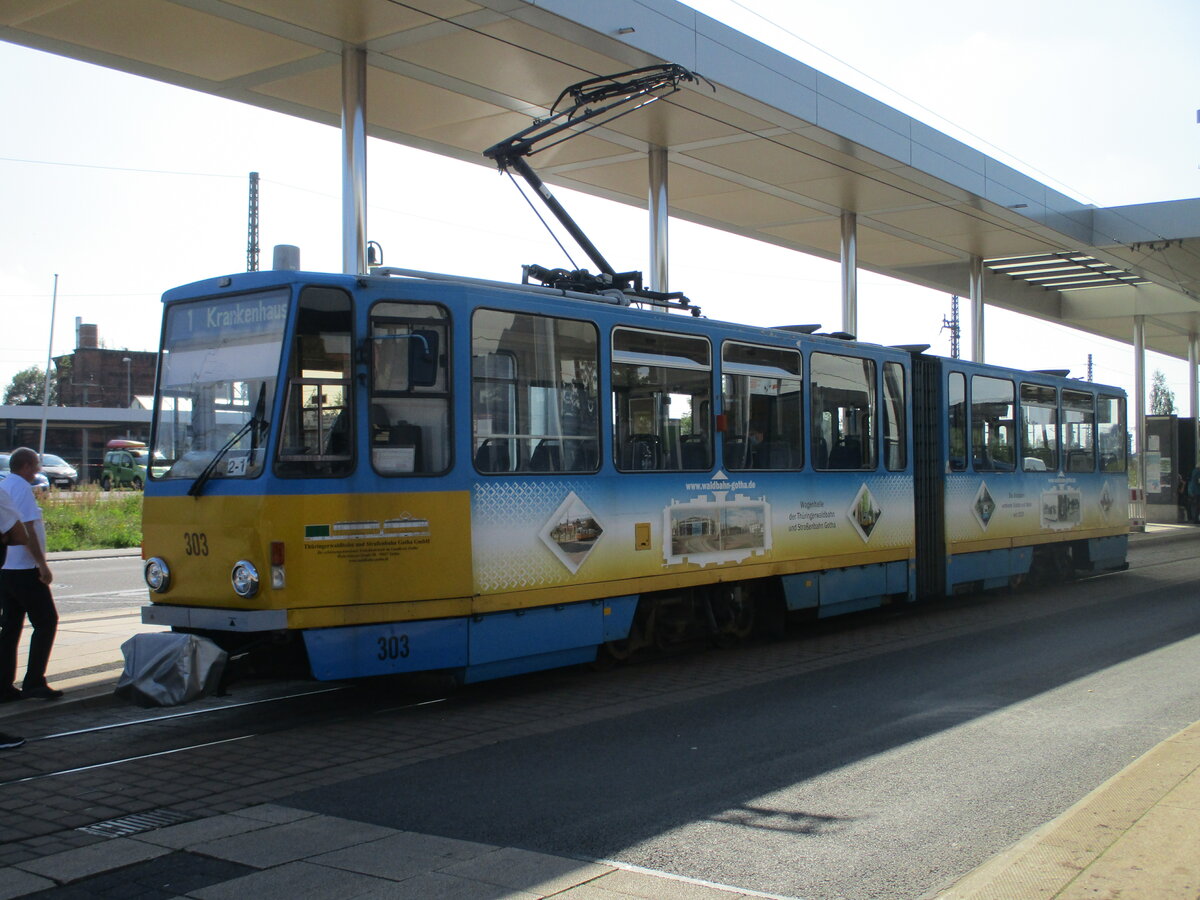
[(1133, 836)]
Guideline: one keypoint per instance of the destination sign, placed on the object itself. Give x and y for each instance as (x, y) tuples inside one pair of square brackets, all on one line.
[(244, 319)]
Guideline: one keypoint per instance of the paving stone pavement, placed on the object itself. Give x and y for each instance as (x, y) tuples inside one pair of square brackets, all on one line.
[(271, 851), (237, 841)]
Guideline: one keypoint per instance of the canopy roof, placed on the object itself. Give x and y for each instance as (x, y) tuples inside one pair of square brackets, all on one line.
[(776, 152)]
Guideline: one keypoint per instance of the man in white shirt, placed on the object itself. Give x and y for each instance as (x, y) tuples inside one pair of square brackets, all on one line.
[(12, 531), (25, 588)]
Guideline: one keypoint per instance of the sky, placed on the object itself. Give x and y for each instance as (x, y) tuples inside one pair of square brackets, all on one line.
[(126, 187)]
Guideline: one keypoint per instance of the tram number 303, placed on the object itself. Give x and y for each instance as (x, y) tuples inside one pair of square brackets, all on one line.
[(195, 543), (393, 647)]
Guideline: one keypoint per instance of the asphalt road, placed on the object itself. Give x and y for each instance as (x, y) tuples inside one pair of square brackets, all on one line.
[(878, 757), (890, 771), (97, 584)]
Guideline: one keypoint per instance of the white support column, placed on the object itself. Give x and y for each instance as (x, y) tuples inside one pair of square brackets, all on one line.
[(976, 288), (1139, 399), (354, 161), (1194, 394), (850, 273), (659, 262)]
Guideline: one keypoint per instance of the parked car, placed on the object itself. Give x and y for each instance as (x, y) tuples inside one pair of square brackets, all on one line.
[(125, 466), (127, 462), (59, 472), (40, 481)]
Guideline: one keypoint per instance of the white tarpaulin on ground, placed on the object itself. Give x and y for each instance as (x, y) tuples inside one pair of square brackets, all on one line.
[(167, 669)]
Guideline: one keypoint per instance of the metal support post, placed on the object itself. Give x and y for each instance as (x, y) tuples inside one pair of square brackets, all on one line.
[(658, 219), (354, 161), (1139, 399), (46, 384), (1194, 394), (850, 272), (976, 279)]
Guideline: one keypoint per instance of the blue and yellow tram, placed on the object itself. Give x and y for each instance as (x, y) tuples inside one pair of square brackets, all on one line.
[(409, 472), (1026, 473)]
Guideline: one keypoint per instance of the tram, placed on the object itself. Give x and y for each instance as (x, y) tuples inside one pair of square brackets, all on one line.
[(403, 472)]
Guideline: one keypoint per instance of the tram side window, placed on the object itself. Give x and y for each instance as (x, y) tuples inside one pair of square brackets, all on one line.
[(662, 401), (993, 438), (318, 426), (956, 420), (1110, 432), (1039, 424), (534, 393), (410, 388), (1078, 431), (762, 389), (895, 431), (843, 404)]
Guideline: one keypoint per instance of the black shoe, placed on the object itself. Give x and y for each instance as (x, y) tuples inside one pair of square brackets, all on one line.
[(10, 694), (44, 692), (9, 741)]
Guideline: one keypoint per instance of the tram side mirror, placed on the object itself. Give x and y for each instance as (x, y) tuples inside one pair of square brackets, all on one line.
[(423, 357)]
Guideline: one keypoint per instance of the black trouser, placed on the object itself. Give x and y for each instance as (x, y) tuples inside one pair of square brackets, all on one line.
[(25, 595)]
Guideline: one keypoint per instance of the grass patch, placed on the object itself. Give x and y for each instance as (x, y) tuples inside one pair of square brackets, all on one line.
[(86, 520)]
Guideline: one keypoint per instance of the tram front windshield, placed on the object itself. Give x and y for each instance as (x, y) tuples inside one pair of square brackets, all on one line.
[(220, 361)]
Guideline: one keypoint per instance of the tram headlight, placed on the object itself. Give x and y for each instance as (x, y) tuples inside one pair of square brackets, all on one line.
[(245, 578), (157, 574)]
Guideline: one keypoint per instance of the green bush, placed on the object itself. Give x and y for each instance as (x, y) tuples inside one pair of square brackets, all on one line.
[(86, 520)]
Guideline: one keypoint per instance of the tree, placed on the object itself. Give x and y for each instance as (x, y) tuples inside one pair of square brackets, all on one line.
[(1162, 398), (27, 387)]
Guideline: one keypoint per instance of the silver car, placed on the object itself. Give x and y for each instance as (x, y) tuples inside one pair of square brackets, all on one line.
[(59, 472)]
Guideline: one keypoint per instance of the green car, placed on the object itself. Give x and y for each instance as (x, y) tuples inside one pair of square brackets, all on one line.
[(125, 466)]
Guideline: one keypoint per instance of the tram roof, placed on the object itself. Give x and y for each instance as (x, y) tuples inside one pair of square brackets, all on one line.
[(776, 153)]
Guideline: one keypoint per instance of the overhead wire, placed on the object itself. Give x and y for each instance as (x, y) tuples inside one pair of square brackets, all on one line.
[(132, 169), (965, 211), (949, 121)]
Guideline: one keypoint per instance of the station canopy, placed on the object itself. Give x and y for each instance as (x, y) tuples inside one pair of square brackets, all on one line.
[(777, 152)]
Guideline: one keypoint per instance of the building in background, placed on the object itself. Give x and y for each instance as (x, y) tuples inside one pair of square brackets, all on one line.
[(102, 394), (94, 376)]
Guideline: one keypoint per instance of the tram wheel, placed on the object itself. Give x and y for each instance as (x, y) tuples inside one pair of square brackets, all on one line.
[(612, 653), (735, 611), (641, 634)]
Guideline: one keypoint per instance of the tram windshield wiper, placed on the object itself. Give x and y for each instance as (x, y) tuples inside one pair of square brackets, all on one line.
[(254, 426)]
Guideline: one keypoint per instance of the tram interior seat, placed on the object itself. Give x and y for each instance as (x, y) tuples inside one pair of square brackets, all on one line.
[(846, 454), (337, 439), (584, 456), (735, 452), (772, 455), (546, 456), (642, 452), (1080, 461), (385, 433), (492, 455), (985, 462), (693, 451)]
